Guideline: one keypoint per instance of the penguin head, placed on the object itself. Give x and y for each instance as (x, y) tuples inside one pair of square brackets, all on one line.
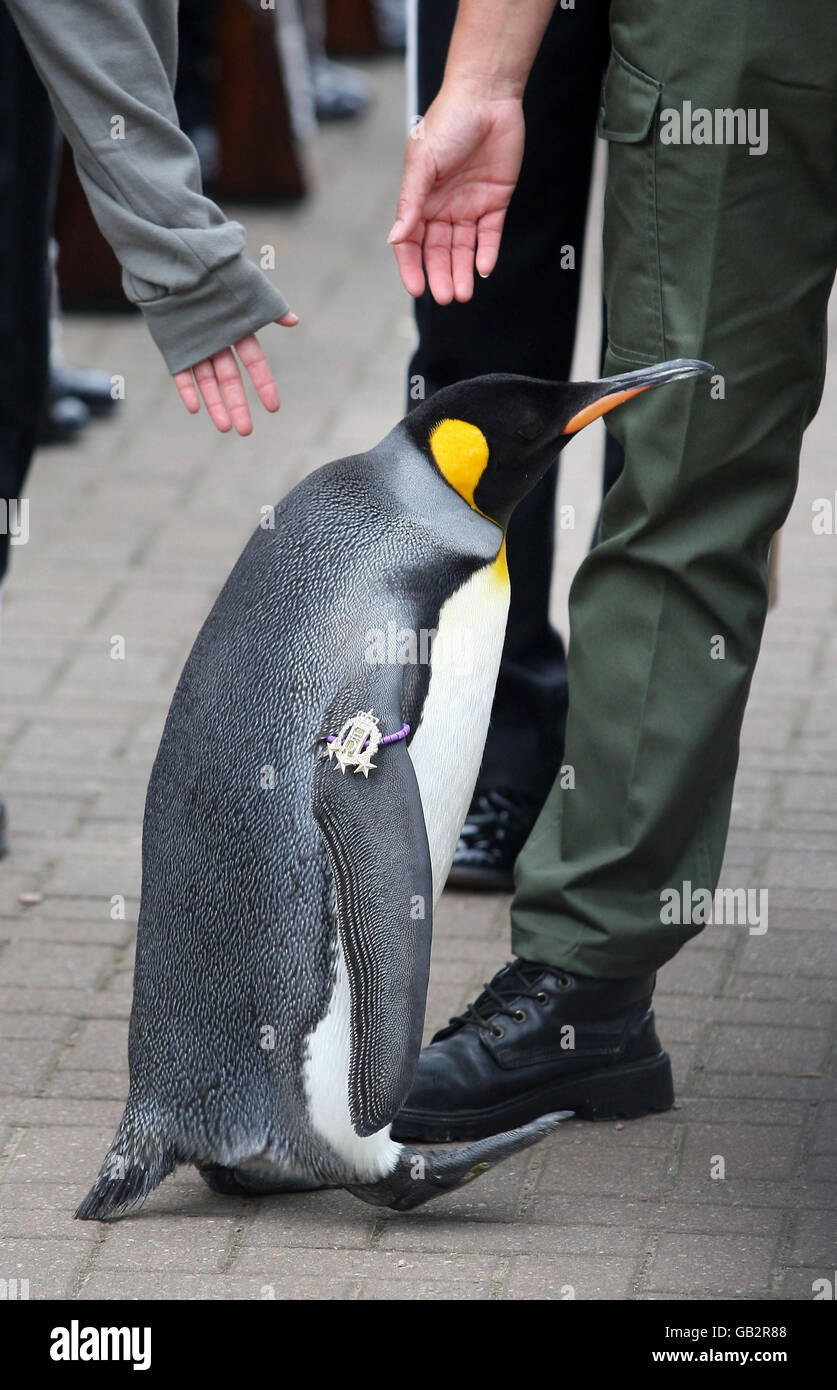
[(494, 437)]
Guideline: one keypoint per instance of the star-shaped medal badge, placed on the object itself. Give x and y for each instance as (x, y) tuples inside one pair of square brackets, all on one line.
[(357, 743)]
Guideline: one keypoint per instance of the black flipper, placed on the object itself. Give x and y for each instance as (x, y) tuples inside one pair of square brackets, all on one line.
[(422, 1174), (377, 845)]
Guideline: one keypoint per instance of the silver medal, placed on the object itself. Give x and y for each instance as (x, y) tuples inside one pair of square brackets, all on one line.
[(357, 743)]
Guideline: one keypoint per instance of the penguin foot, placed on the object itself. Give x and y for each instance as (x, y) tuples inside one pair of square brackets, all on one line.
[(237, 1182), (422, 1174)]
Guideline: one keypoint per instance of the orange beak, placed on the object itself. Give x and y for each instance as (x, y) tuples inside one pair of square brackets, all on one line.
[(615, 390), (601, 407)]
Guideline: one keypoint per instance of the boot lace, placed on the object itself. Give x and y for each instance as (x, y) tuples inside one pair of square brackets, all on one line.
[(501, 996)]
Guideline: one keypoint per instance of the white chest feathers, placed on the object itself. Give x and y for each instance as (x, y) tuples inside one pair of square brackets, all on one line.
[(447, 748)]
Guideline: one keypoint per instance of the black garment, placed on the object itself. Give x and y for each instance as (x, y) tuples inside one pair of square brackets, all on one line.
[(27, 158), (196, 21), (522, 319)]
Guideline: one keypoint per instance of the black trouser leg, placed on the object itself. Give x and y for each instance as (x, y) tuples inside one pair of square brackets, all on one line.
[(27, 154), (522, 319)]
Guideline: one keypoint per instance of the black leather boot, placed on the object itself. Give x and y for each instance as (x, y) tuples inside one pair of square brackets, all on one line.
[(495, 830), (537, 1040)]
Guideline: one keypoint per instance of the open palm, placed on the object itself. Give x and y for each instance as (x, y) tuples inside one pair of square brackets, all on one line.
[(460, 170)]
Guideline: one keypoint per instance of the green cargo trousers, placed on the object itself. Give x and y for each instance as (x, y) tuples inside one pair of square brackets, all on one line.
[(722, 249)]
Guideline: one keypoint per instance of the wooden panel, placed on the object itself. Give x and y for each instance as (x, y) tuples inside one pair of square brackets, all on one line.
[(89, 275), (351, 27), (259, 157)]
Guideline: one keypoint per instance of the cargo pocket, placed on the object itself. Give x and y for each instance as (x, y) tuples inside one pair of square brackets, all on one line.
[(632, 281)]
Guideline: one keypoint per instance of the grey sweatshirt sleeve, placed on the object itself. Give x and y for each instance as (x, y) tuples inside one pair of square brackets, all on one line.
[(110, 67)]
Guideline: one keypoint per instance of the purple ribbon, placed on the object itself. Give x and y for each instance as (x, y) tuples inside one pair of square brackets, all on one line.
[(388, 738)]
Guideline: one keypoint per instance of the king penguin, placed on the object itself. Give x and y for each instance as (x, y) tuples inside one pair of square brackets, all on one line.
[(284, 931)]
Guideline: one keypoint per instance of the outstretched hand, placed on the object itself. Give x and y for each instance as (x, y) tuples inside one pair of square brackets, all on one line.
[(218, 380), (460, 170)]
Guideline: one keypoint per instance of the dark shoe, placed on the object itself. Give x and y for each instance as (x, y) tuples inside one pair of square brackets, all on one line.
[(495, 830), (63, 419), (391, 23), (86, 384), (539, 1040), (340, 93)]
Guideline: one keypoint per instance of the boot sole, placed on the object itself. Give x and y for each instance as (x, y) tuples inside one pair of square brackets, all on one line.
[(619, 1093), (480, 880)]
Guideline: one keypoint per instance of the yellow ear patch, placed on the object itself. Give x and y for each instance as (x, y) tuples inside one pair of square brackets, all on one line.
[(461, 453)]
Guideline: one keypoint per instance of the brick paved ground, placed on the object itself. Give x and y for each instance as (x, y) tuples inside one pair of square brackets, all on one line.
[(132, 534)]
